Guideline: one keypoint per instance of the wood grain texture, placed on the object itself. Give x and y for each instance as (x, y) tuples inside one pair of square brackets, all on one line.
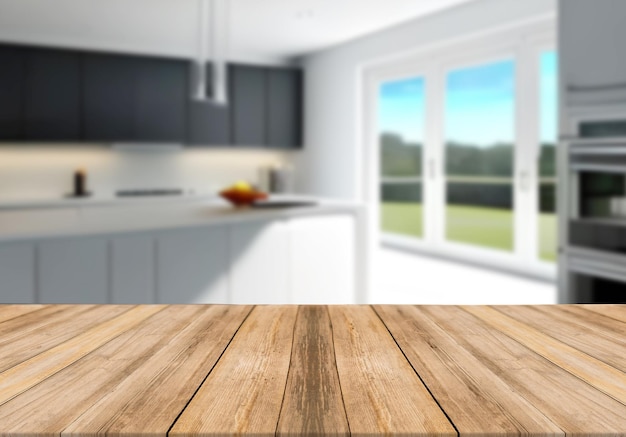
[(28, 373), (474, 397), (48, 332), (226, 370), (382, 394), (49, 407), (150, 399), (617, 312), (593, 321), (24, 324), (602, 376), (313, 404), (575, 406), (581, 330), (244, 392), (8, 312)]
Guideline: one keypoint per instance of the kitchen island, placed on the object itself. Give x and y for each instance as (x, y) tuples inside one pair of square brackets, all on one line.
[(214, 370), (75, 217), (182, 250)]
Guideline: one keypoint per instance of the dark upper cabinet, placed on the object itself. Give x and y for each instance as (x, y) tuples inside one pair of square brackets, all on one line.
[(134, 99), (61, 95), (208, 124), (248, 103), (11, 92), (162, 93), (284, 108), (109, 97), (266, 106), (12, 68), (52, 96)]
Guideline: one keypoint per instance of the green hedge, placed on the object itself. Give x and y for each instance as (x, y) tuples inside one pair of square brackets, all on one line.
[(473, 194)]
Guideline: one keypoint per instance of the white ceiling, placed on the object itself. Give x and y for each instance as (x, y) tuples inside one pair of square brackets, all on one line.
[(259, 29)]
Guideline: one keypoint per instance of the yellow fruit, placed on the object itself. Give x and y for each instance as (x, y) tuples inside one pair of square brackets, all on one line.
[(242, 186)]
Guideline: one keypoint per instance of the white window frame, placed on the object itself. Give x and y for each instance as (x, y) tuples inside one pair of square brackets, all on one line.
[(536, 46), (522, 42)]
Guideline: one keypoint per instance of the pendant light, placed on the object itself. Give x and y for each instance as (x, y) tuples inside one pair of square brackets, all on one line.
[(213, 38)]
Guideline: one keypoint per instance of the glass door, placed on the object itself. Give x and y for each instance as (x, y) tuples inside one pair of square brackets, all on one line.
[(466, 140), (479, 132), (547, 175), (401, 119)]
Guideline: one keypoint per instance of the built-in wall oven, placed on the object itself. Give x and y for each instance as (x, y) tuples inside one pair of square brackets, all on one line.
[(594, 222)]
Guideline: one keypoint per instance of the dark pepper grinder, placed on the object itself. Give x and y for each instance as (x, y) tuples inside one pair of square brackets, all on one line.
[(80, 183)]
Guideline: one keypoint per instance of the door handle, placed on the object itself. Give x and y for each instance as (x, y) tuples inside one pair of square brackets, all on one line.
[(524, 179)]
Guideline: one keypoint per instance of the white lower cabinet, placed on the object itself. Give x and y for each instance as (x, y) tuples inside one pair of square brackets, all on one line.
[(17, 279), (73, 270), (133, 269), (259, 263), (301, 260), (192, 266), (322, 262)]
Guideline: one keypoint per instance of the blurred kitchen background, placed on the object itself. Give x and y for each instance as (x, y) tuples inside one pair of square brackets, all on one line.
[(414, 151)]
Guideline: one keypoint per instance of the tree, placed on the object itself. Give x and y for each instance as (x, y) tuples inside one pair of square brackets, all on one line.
[(399, 158)]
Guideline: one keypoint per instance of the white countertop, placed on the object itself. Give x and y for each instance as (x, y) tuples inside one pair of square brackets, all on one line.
[(52, 218), (74, 202)]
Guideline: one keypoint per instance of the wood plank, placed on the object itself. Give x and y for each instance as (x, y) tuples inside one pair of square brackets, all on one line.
[(576, 407), (243, 393), (47, 332), (52, 405), (25, 375), (604, 377), (614, 311), (8, 312), (311, 370), (19, 326), (381, 392), (593, 321), (577, 330), (474, 397), (313, 404), (150, 399)]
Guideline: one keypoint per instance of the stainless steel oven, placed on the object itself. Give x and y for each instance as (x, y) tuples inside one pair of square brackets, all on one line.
[(593, 214)]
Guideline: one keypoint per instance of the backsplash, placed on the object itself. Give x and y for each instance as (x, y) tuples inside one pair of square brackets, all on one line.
[(35, 172)]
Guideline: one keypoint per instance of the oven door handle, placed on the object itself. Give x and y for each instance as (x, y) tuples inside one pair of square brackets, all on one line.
[(599, 168), (586, 141), (598, 150)]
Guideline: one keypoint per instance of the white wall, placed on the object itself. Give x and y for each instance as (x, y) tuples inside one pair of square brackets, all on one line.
[(330, 163), (29, 171)]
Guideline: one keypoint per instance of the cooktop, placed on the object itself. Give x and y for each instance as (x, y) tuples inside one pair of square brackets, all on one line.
[(150, 192)]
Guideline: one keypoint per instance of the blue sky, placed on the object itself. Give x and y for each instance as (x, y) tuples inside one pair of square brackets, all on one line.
[(549, 97), (401, 108), (479, 103)]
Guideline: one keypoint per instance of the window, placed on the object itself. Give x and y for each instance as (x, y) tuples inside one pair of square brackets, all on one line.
[(480, 136), (547, 157), (466, 137), (401, 136)]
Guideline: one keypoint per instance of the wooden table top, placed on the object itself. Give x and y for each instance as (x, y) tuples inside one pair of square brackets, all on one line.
[(215, 370)]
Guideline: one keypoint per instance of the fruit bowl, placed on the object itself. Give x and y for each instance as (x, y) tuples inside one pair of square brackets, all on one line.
[(243, 198)]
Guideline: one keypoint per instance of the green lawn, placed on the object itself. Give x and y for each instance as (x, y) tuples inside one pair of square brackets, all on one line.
[(487, 227)]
